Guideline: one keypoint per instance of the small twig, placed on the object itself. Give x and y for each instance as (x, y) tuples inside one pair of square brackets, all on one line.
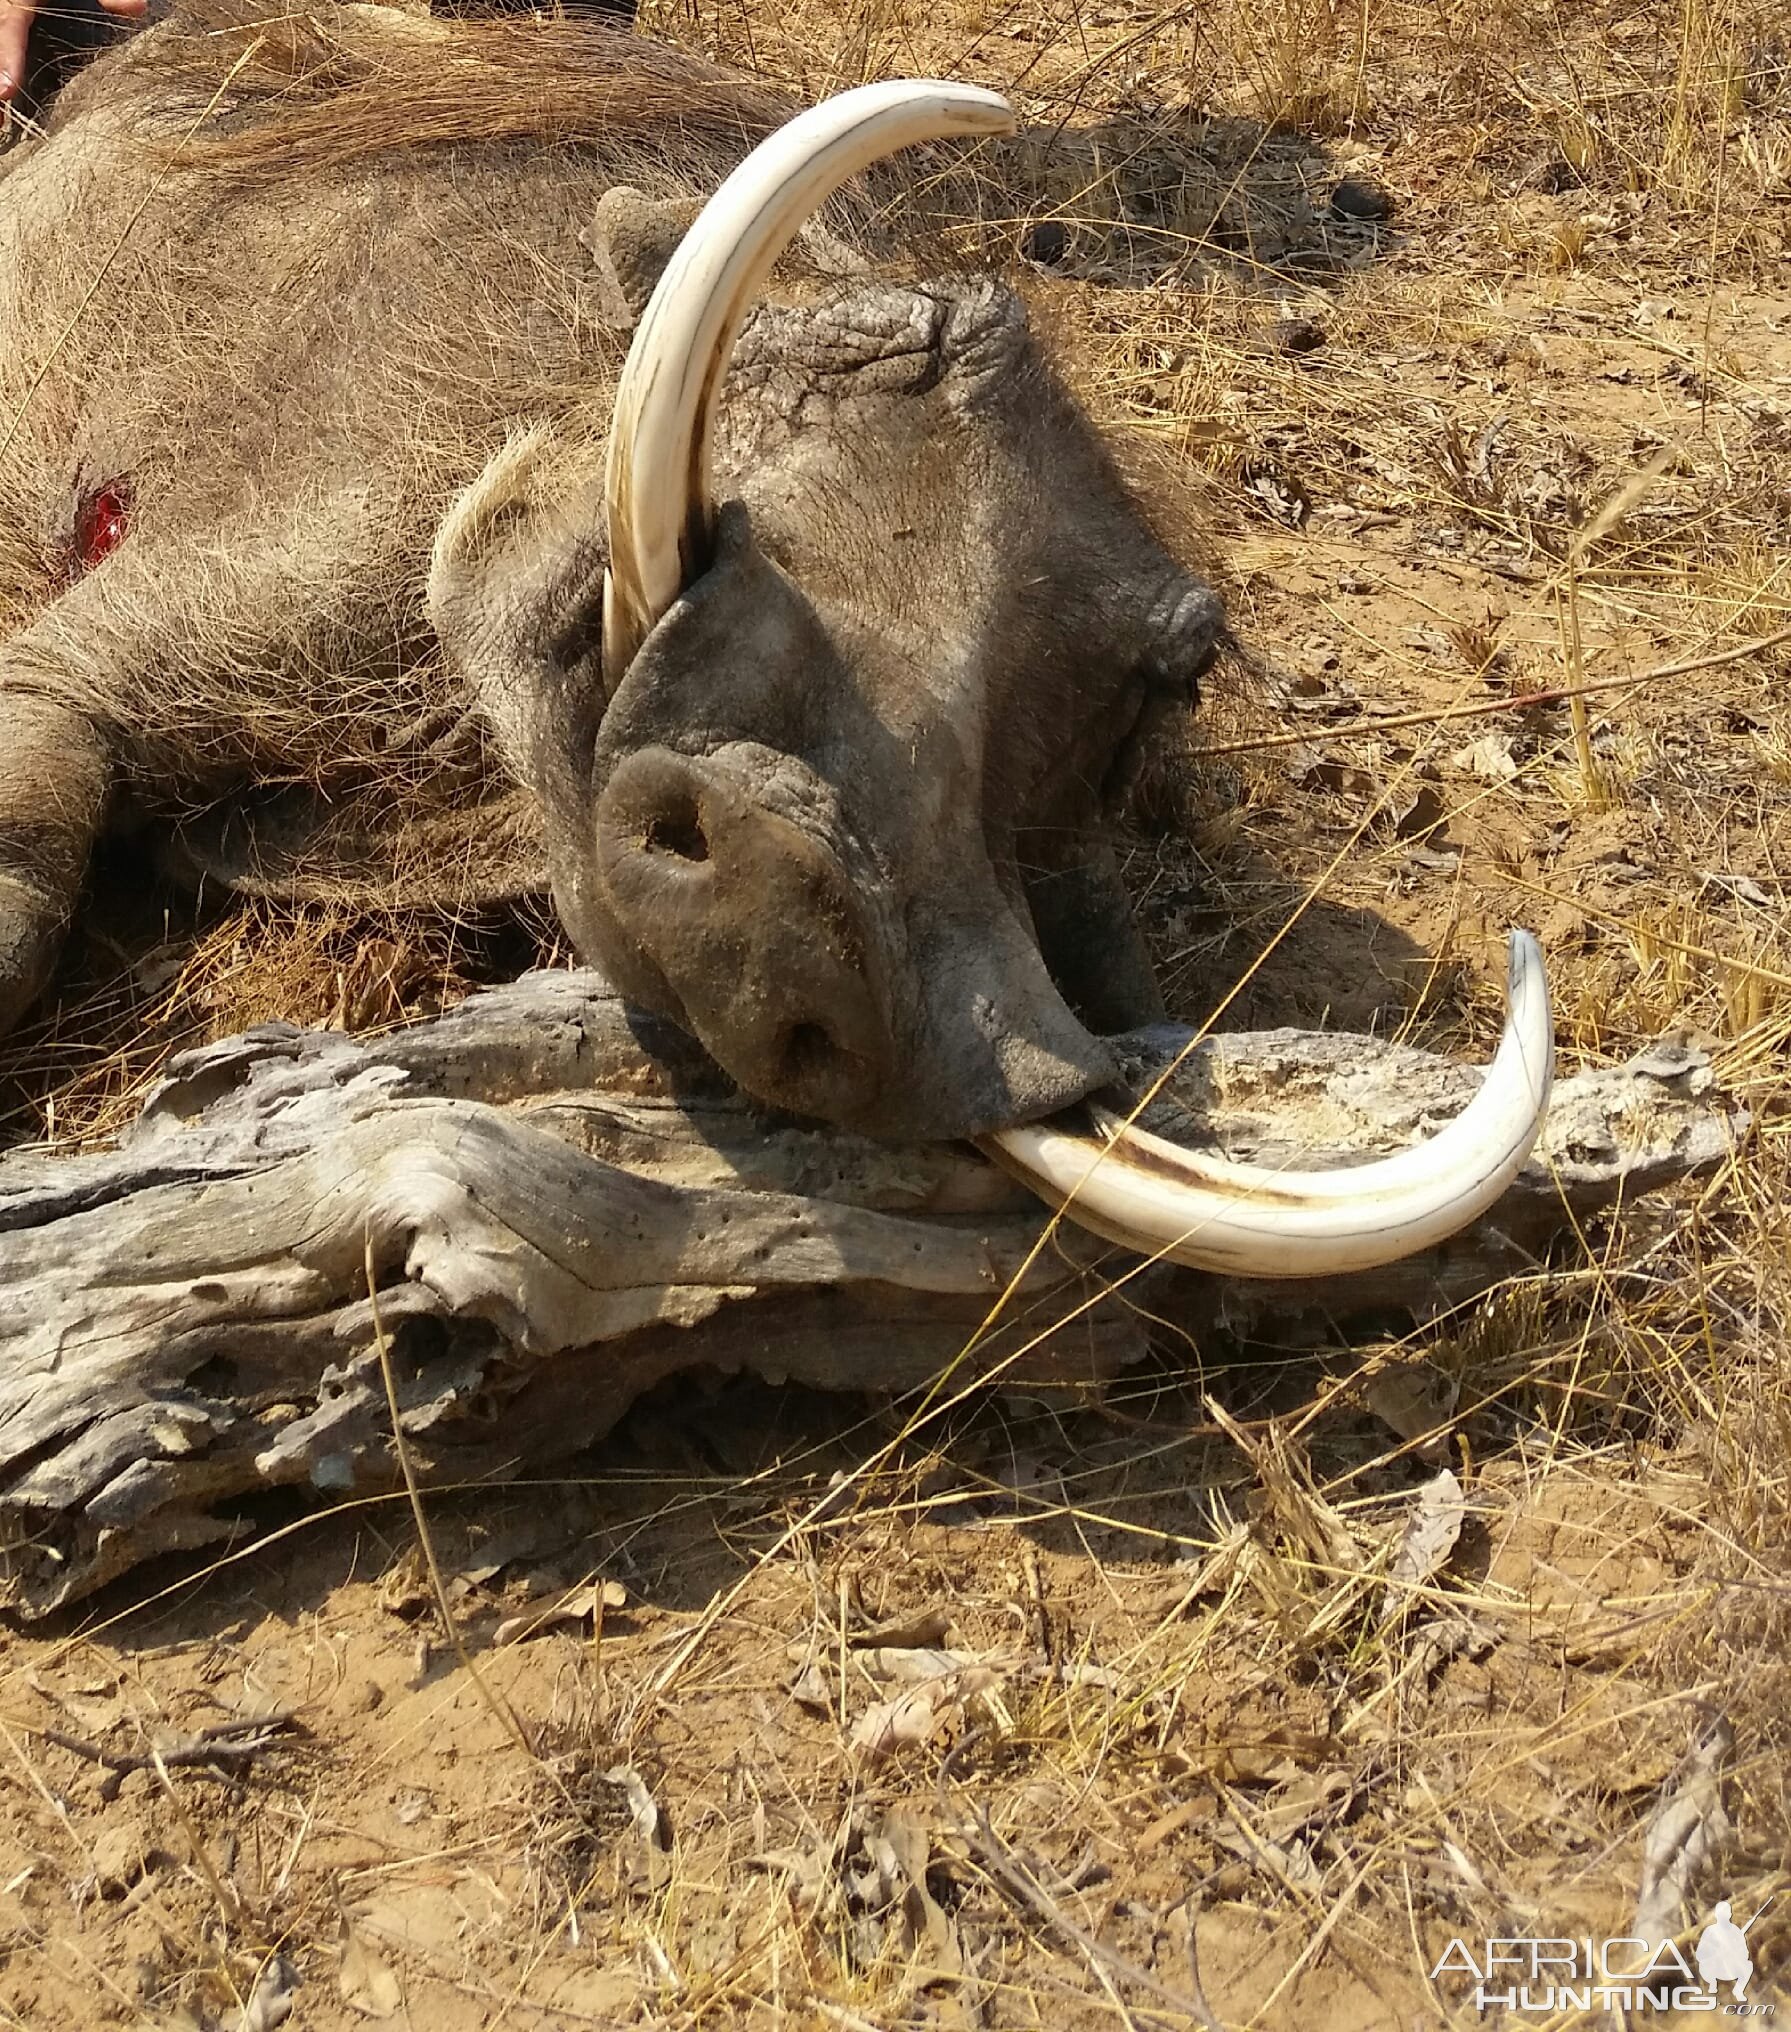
[(1555, 695), (850, 2020), (999, 1859), (1202, 2009), (223, 1748), (228, 1898)]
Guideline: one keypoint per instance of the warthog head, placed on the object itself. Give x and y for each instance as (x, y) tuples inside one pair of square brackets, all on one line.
[(881, 632)]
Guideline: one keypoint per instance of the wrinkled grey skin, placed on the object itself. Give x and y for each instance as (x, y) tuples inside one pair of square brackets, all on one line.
[(844, 816)]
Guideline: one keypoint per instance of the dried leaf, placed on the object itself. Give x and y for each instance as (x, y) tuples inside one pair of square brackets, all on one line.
[(809, 1689), (365, 1980), (921, 1630), (1414, 1398), (1431, 1531), (1492, 758), (917, 1716), (912, 1667), (578, 1607)]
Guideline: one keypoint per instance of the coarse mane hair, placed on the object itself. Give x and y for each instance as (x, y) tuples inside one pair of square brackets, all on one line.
[(247, 91)]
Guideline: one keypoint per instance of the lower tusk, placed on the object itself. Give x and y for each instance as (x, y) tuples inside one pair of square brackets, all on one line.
[(1247, 1221)]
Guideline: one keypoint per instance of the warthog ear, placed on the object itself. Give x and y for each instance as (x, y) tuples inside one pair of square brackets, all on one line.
[(631, 237), (516, 595), (984, 337)]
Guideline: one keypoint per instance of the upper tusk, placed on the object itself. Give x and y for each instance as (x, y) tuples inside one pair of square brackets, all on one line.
[(660, 511), (1248, 1221)]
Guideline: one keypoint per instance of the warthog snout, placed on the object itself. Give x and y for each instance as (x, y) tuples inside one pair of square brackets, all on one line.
[(751, 922)]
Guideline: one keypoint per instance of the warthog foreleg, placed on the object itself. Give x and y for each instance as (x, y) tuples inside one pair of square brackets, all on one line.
[(54, 776)]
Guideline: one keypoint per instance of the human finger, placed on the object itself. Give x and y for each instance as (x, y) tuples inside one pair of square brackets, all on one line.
[(15, 26)]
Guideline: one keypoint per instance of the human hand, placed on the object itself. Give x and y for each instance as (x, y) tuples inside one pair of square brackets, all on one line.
[(15, 31)]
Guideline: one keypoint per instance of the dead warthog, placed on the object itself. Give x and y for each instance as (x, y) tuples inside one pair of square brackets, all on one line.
[(379, 413)]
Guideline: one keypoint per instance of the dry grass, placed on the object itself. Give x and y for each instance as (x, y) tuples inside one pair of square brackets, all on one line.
[(131, 995), (1215, 1764)]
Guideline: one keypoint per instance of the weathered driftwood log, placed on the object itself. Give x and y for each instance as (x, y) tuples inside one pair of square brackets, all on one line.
[(560, 1203)]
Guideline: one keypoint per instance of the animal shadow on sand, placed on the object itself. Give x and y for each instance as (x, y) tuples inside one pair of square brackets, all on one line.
[(707, 1477), (1157, 197)]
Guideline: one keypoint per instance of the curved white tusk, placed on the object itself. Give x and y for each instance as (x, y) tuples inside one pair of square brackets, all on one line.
[(660, 513), (1136, 1189)]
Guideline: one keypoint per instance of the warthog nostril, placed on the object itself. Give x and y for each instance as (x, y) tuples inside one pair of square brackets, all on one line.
[(740, 918), (806, 1049), (677, 828)]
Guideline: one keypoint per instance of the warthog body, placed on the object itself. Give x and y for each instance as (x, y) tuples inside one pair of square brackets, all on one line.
[(272, 297)]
